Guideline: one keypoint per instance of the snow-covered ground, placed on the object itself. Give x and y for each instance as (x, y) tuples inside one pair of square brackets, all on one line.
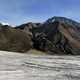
[(15, 66)]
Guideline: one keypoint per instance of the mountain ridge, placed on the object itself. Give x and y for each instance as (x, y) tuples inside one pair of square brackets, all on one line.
[(57, 35)]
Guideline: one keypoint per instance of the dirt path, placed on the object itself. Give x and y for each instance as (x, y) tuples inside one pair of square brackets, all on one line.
[(15, 66)]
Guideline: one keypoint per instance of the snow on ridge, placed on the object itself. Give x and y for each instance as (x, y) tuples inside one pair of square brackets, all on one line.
[(5, 23)]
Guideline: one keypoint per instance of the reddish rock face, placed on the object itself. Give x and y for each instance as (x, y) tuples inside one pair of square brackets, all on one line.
[(73, 37)]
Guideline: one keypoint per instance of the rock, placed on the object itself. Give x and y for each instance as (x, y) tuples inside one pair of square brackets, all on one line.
[(14, 40), (62, 36), (28, 27), (58, 35)]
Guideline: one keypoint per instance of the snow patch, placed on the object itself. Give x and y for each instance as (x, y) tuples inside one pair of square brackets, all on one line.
[(4, 23)]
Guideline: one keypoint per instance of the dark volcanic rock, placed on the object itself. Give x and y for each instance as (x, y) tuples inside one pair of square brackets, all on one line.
[(59, 36), (29, 28)]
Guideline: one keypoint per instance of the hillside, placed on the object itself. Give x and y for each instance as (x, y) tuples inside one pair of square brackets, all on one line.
[(14, 40), (57, 35)]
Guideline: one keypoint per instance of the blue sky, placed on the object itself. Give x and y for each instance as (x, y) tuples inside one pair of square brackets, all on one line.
[(17, 12)]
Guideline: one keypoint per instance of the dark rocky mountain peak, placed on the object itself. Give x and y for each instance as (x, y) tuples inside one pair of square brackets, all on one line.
[(63, 20), (62, 36), (57, 35)]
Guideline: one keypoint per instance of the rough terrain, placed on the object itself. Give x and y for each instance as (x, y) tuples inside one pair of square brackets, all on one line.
[(16, 66)]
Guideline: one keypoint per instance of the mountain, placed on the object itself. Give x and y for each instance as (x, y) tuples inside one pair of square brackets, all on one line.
[(57, 35), (63, 20)]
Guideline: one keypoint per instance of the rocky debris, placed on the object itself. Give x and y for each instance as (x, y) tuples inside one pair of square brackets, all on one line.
[(15, 66)]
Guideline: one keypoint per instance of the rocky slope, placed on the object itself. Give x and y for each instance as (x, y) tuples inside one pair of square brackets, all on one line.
[(57, 35), (14, 40)]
